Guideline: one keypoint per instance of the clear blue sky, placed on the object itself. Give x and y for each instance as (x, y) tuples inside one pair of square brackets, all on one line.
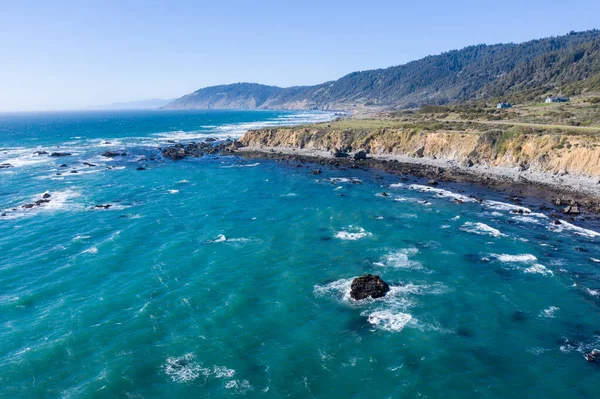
[(70, 54)]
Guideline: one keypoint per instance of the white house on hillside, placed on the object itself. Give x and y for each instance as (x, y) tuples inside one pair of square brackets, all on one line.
[(554, 99)]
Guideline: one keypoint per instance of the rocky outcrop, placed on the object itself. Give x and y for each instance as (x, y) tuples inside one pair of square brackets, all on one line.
[(175, 152), (5, 166), (368, 286), (114, 154), (360, 156), (60, 154), (41, 202), (572, 210), (337, 153), (593, 356), (197, 150)]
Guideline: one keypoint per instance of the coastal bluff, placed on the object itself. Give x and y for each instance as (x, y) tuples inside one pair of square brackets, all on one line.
[(560, 158)]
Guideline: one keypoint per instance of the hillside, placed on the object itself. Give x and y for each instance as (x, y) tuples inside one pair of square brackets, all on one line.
[(568, 64)]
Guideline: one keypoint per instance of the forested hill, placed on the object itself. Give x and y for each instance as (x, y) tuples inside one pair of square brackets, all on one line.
[(566, 64)]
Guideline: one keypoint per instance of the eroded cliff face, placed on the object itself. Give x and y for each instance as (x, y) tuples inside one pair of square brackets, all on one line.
[(547, 153)]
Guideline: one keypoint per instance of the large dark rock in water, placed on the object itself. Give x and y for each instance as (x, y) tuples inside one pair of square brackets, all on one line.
[(174, 153), (197, 150), (114, 154), (368, 286), (60, 154)]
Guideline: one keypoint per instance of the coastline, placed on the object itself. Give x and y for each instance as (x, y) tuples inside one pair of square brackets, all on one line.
[(584, 191)]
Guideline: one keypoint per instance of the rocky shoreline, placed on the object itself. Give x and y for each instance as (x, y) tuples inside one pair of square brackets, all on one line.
[(576, 198), (561, 200)]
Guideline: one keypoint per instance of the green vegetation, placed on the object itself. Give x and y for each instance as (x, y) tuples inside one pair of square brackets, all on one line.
[(570, 70), (518, 73)]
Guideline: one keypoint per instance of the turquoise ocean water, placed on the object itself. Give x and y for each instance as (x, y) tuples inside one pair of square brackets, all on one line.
[(220, 277)]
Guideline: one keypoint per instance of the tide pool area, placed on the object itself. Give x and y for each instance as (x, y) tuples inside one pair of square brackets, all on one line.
[(219, 276)]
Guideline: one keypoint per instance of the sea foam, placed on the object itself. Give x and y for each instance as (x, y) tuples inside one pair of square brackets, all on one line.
[(352, 233), (550, 312), (388, 320), (481, 229), (441, 193), (400, 259), (515, 258), (580, 231), (539, 269), (183, 369)]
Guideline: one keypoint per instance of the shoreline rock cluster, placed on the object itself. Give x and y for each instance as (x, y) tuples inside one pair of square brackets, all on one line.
[(572, 204), (46, 198), (196, 150)]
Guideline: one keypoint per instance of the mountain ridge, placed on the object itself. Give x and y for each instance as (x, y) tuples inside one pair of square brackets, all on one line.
[(477, 72)]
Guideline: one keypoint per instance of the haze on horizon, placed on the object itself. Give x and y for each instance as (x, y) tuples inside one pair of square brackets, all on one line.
[(71, 55)]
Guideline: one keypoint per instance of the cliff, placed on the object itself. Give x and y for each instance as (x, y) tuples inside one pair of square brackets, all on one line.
[(553, 152)]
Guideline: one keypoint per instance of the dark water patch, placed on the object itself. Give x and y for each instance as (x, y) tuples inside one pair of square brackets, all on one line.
[(476, 258), (520, 316), (465, 332)]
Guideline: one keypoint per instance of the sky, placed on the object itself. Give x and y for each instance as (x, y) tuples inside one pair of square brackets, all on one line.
[(72, 54)]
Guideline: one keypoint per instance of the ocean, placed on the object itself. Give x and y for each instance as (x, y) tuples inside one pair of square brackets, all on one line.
[(222, 276)]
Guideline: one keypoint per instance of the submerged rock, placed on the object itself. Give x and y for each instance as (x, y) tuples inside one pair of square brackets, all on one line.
[(60, 154), (113, 154), (367, 286), (593, 356), (40, 202), (40, 153), (5, 166)]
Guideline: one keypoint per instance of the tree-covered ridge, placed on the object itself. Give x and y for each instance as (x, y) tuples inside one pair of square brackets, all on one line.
[(569, 71), (567, 63)]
